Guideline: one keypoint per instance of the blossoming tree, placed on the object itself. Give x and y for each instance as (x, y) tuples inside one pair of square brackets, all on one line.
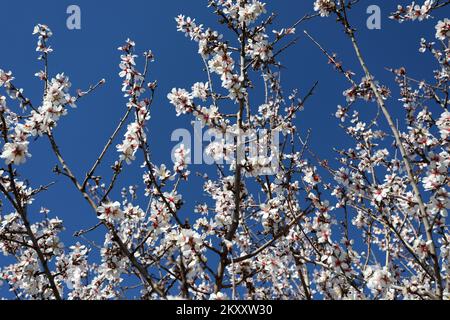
[(373, 227)]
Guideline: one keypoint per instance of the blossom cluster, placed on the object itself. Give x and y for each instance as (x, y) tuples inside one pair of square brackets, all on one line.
[(324, 7), (414, 11), (133, 88), (41, 120)]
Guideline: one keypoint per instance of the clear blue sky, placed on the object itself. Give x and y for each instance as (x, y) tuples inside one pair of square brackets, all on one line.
[(90, 54)]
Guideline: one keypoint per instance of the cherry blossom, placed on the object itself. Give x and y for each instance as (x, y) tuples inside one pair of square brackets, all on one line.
[(444, 125), (443, 29), (15, 153), (110, 211), (414, 11), (324, 7)]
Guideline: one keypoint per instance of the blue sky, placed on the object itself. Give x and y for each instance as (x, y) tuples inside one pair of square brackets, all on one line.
[(90, 54)]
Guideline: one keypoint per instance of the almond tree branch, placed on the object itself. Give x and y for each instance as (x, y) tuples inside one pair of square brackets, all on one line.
[(141, 269)]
